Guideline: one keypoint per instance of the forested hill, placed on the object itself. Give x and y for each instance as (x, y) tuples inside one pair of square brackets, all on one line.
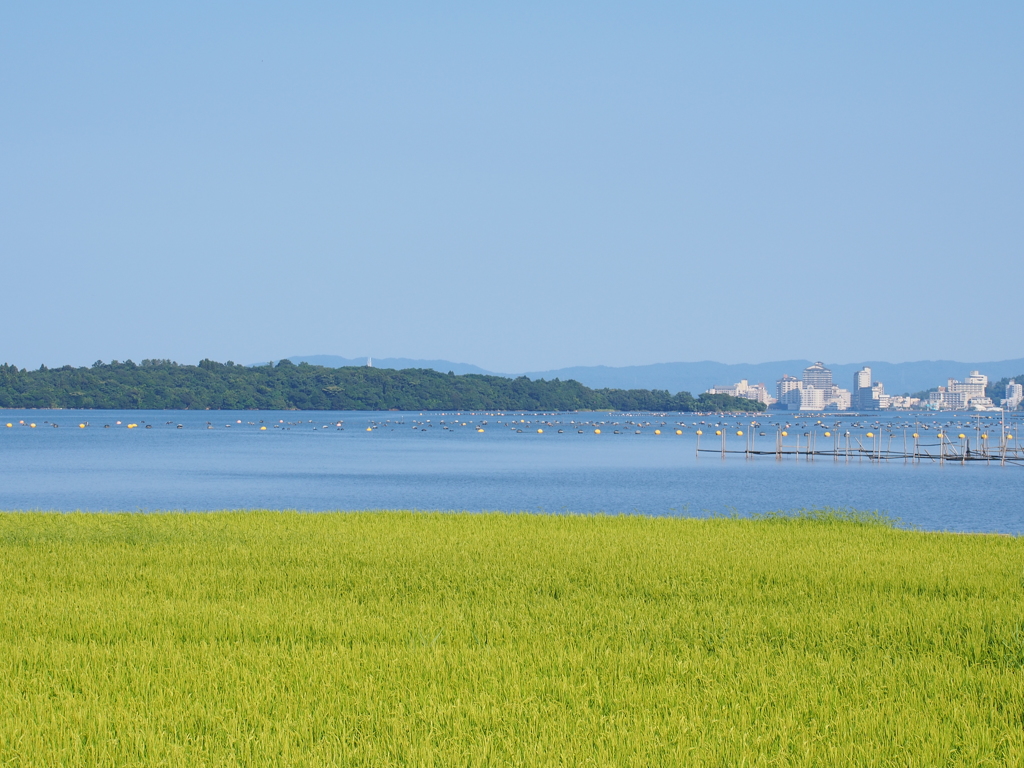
[(162, 384)]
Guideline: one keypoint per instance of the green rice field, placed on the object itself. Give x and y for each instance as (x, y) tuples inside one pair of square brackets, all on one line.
[(414, 639)]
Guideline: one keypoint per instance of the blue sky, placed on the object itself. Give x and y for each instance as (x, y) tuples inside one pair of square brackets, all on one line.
[(520, 186)]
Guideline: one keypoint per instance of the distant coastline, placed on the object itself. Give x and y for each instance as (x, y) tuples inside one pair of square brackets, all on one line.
[(699, 376), (167, 385)]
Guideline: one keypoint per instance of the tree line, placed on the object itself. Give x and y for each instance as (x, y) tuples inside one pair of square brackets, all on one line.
[(163, 384)]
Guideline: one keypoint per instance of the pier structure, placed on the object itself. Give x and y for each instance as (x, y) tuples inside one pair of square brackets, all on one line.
[(907, 443)]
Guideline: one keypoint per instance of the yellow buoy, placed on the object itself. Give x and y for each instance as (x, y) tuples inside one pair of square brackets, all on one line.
[(81, 426), (785, 434), (718, 431), (828, 434), (739, 432), (32, 425), (700, 432), (871, 434), (480, 430), (915, 435), (657, 431), (263, 429), (132, 426), (962, 435), (597, 431), (540, 431), (679, 431), (1009, 437), (9, 424), (984, 437), (940, 435), (368, 429)]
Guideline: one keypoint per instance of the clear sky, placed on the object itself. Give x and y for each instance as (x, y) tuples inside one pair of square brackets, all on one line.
[(521, 186)]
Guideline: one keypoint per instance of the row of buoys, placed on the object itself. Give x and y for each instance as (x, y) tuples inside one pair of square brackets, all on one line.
[(597, 430)]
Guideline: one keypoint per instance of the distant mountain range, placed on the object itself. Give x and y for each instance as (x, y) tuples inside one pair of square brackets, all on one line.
[(700, 376)]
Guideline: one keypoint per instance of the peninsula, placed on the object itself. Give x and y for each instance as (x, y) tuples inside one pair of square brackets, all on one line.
[(164, 385)]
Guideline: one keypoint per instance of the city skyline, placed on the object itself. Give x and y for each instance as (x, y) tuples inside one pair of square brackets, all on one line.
[(816, 391)]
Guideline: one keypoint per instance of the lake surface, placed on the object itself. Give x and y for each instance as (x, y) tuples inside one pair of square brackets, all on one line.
[(331, 460)]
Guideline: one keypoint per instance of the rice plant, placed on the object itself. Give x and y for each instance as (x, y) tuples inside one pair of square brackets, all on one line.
[(390, 638)]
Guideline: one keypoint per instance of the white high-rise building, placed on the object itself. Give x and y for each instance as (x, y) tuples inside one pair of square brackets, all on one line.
[(977, 379), (862, 379), (972, 388), (787, 392), (867, 396), (785, 385), (1014, 396), (818, 376)]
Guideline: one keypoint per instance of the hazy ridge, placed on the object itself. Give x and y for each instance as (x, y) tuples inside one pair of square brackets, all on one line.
[(697, 377)]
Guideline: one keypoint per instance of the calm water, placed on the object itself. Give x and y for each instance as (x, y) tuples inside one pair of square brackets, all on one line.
[(222, 459)]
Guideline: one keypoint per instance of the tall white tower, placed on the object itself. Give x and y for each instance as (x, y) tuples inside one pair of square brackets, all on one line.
[(818, 376), (862, 379)]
